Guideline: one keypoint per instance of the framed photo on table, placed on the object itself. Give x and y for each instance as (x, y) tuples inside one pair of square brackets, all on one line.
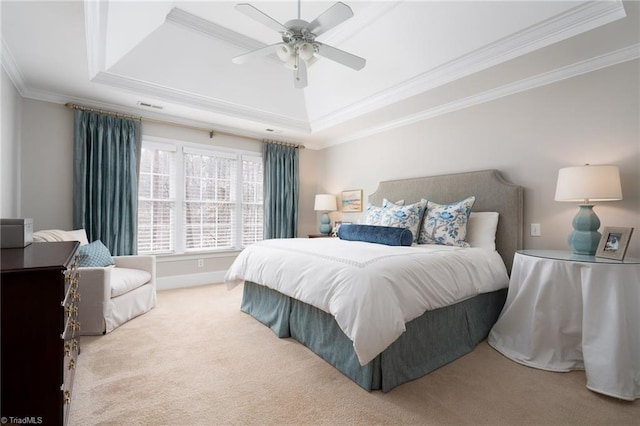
[(336, 227), (614, 242), (352, 201)]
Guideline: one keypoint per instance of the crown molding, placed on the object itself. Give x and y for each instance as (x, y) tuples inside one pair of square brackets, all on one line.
[(193, 100), (52, 97), (195, 23), (95, 26), (199, 25), (570, 23), (12, 70), (358, 22), (569, 71)]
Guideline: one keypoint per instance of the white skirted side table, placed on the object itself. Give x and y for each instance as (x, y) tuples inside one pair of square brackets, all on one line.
[(571, 312)]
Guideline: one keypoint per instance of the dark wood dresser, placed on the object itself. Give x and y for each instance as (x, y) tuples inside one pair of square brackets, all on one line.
[(40, 332)]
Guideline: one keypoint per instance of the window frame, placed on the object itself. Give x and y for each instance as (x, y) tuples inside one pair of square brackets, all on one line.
[(180, 148)]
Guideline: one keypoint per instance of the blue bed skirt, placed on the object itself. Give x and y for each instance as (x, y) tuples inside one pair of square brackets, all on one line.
[(431, 340)]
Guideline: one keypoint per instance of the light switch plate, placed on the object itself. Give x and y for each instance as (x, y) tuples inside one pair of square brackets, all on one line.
[(535, 230)]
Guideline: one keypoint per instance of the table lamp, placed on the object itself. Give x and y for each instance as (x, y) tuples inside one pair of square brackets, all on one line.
[(325, 203), (585, 184)]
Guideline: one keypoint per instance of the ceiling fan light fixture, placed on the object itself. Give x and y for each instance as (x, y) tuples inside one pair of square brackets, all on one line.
[(285, 52), (298, 49), (306, 51)]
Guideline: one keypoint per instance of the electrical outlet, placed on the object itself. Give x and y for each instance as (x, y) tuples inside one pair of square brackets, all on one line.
[(200, 263), (535, 230)]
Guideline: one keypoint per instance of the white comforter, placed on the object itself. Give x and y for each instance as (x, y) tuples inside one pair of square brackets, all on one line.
[(372, 290)]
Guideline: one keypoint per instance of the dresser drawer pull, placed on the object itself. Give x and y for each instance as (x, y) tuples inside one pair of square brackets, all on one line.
[(74, 344), (71, 311), (74, 325), (72, 364), (67, 397), (67, 348)]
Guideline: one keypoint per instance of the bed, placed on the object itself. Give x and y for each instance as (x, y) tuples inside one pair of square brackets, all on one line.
[(419, 342)]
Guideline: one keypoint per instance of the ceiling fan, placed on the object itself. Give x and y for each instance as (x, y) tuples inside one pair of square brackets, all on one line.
[(299, 47)]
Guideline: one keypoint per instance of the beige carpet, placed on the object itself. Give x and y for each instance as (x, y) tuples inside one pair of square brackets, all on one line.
[(197, 360)]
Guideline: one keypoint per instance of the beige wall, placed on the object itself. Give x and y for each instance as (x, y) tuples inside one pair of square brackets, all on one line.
[(47, 164), (10, 111), (593, 118)]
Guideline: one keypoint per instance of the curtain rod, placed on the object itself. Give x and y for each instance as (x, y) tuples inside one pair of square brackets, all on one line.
[(171, 123), (293, 145)]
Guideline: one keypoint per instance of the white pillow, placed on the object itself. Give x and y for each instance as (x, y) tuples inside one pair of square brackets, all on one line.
[(481, 229), (51, 235), (79, 235)]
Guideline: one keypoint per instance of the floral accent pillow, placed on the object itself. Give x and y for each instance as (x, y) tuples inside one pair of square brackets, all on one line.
[(446, 224), (374, 213), (404, 216)]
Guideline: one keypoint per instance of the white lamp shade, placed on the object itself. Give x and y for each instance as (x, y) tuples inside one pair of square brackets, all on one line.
[(589, 183), (325, 203)]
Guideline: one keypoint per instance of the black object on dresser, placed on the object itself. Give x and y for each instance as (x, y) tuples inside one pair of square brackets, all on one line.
[(40, 332)]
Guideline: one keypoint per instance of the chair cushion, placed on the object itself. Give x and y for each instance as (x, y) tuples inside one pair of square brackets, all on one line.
[(123, 280)]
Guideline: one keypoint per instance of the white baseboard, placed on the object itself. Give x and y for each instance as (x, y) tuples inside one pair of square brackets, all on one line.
[(189, 280)]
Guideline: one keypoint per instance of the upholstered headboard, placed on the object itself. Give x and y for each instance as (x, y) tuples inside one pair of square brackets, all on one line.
[(493, 193)]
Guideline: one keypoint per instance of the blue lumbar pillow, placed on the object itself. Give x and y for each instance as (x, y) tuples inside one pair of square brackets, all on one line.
[(388, 235)]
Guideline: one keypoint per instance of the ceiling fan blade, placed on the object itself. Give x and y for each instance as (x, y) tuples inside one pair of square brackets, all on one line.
[(300, 75), (261, 17), (340, 56), (258, 53), (335, 15)]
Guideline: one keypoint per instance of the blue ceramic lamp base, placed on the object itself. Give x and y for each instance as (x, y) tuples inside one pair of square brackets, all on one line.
[(325, 224), (585, 236)]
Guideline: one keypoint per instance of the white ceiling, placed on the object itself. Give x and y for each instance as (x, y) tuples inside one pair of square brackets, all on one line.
[(177, 55)]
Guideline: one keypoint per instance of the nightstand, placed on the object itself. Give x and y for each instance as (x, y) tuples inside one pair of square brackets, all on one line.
[(320, 236), (571, 312)]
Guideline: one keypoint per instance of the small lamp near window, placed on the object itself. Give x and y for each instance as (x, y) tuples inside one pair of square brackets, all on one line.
[(325, 203), (585, 184)]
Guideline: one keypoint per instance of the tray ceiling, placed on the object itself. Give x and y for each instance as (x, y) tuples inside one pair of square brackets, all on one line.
[(175, 58)]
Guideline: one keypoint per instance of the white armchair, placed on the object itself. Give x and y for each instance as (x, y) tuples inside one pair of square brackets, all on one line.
[(111, 295)]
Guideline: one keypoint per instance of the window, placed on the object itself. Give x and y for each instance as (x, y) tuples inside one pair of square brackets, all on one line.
[(198, 198)]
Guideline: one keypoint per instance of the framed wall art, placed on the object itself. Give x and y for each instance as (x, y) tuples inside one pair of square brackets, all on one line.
[(352, 201)]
